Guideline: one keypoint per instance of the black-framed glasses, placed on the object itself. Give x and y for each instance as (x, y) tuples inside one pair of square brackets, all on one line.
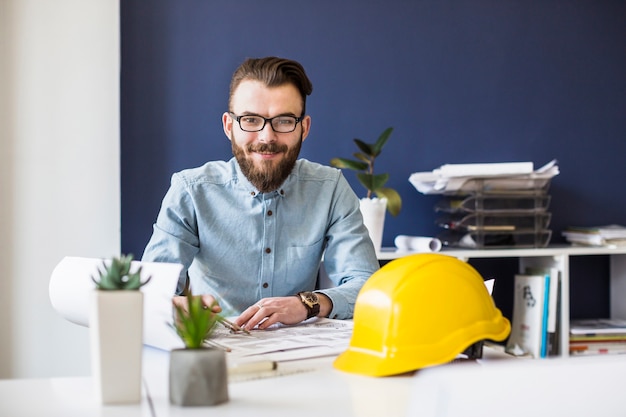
[(254, 123)]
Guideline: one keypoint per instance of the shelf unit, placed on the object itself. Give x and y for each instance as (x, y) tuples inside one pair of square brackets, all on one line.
[(552, 256)]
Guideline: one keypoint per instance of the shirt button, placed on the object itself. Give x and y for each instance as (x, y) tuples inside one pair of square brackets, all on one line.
[(268, 250), (282, 192), (252, 193), (265, 285), (269, 212)]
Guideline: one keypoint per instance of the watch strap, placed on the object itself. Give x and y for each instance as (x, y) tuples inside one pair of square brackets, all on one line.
[(312, 307)]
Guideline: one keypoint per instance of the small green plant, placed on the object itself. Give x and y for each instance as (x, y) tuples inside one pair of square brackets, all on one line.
[(373, 183), (117, 275), (195, 324)]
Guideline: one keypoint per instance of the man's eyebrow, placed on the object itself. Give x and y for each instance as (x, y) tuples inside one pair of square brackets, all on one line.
[(249, 113)]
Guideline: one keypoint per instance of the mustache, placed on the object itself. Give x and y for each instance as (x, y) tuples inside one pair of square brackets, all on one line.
[(268, 147)]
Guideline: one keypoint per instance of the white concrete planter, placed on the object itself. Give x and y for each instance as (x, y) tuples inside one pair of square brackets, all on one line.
[(116, 330), (374, 211), (198, 377)]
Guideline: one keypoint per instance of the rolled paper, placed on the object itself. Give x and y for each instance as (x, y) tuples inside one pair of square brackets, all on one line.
[(417, 243), (71, 285)]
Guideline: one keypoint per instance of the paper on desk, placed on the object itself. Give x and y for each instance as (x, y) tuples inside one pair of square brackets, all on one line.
[(71, 286), (314, 338)]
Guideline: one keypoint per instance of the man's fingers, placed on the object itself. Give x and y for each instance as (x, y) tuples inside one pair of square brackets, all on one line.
[(209, 301)]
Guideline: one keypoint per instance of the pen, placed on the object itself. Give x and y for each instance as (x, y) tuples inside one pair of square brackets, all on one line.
[(229, 324), (252, 367), (232, 326)]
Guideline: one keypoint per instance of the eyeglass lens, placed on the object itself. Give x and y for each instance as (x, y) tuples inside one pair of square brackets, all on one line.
[(282, 124)]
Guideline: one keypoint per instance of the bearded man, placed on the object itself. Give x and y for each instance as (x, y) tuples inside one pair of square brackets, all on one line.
[(252, 232)]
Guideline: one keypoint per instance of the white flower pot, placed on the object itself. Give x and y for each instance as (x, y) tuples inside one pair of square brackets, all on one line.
[(374, 211), (116, 330)]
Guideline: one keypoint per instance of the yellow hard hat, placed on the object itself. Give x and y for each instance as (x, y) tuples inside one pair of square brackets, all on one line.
[(419, 311)]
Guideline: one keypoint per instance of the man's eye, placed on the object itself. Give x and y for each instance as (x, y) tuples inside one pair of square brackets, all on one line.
[(286, 121), (251, 120)]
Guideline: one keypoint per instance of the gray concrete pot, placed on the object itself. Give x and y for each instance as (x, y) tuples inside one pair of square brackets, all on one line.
[(198, 377)]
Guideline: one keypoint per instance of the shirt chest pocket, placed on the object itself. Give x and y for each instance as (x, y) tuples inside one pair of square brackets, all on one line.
[(303, 262)]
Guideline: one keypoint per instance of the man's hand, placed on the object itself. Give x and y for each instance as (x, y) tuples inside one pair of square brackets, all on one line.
[(207, 301), (285, 310)]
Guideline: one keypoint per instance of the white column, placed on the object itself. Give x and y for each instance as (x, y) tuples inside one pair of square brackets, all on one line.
[(59, 169)]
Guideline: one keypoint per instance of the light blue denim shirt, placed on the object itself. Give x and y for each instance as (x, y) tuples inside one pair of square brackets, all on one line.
[(241, 245)]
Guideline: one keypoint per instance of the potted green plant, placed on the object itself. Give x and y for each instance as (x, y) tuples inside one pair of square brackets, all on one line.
[(116, 331), (373, 209), (198, 373), (117, 275)]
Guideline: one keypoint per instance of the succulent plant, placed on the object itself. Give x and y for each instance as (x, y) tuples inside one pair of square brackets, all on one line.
[(195, 324), (372, 182), (117, 276)]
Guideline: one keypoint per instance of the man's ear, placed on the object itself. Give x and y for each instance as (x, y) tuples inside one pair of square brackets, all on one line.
[(227, 124), (306, 126)]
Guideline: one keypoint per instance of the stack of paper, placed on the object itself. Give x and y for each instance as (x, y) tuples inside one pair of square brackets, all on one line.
[(491, 204), (499, 177), (597, 337), (610, 235)]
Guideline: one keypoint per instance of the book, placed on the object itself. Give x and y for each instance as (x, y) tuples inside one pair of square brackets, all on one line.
[(530, 316), (597, 326), (554, 305), (616, 337), (597, 337), (596, 346), (600, 348)]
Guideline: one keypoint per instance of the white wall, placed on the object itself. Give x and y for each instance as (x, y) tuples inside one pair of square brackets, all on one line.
[(59, 169)]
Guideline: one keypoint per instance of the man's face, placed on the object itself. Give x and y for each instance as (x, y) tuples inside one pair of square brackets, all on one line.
[(266, 157)]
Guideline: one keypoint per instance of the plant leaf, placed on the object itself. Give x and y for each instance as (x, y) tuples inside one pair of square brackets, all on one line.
[(196, 324), (382, 140), (362, 157), (394, 202), (365, 147), (117, 276), (348, 163), (374, 182), (366, 180)]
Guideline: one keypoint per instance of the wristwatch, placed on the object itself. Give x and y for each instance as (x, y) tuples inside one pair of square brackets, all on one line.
[(311, 301)]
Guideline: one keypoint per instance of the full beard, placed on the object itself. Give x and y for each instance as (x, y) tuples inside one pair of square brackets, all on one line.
[(269, 176)]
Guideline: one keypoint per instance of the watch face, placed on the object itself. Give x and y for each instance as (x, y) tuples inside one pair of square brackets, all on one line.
[(310, 298), (312, 303)]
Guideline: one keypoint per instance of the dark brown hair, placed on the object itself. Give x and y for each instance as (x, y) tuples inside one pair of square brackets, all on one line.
[(273, 72)]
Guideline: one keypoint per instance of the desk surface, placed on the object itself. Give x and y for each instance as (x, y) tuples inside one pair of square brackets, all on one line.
[(497, 386), (323, 391)]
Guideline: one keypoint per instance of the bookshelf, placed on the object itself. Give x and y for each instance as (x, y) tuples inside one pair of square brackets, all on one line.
[(552, 256)]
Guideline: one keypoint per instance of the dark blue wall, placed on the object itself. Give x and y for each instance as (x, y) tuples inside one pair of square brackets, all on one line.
[(460, 81)]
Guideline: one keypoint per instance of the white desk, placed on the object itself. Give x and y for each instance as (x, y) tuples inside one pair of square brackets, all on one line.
[(323, 392), (563, 386)]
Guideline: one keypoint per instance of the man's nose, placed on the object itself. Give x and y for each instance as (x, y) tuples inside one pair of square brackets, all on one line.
[(267, 134)]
